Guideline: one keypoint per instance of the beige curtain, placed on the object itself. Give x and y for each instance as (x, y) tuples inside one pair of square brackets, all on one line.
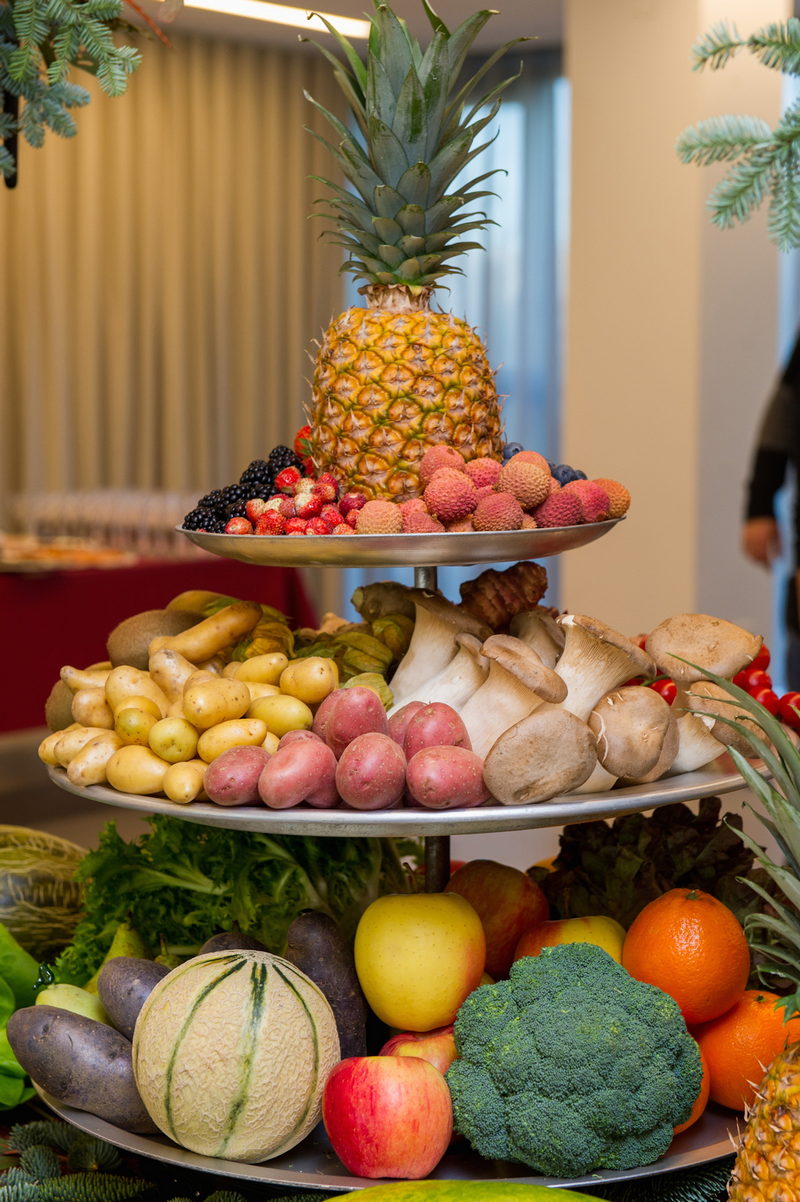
[(162, 282)]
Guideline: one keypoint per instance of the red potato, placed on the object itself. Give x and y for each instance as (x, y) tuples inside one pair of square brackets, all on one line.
[(302, 770), (232, 778), (297, 736), (443, 778), (435, 725), (323, 712), (353, 712), (399, 720), (371, 773)]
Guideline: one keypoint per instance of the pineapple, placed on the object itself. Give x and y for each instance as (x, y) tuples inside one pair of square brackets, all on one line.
[(767, 1165), (398, 375)]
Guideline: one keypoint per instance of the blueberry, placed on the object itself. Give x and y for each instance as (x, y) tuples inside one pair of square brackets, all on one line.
[(564, 472), (512, 448)]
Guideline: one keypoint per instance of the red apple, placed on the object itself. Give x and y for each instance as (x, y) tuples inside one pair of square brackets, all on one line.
[(387, 1116), (438, 1047), (507, 901)]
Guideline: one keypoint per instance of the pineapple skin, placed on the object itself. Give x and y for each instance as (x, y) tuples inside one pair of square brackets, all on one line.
[(387, 385), (767, 1165)]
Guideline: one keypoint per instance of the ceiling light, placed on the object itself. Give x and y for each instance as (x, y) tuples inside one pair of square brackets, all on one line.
[(282, 14)]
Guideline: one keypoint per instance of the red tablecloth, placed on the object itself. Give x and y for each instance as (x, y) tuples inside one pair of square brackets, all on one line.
[(61, 617)]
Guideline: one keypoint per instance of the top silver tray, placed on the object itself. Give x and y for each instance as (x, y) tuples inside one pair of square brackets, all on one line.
[(390, 550)]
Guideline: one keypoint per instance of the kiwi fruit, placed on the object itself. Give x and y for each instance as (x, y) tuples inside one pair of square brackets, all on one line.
[(58, 707), (129, 640)]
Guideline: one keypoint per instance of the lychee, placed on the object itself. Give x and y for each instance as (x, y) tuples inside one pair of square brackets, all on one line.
[(529, 522), (525, 480), (618, 496), (561, 508), (437, 456), (379, 517), (498, 511), (462, 526), (419, 521), (483, 471), (450, 495), (595, 504), (532, 457)]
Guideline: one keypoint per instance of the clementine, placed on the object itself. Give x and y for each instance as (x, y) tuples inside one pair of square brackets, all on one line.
[(701, 1101), (740, 1044), (692, 946)]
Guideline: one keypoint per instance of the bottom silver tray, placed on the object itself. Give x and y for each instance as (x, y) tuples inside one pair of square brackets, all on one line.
[(314, 1165)]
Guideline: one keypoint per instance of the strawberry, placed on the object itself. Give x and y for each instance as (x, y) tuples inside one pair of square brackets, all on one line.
[(328, 486), (350, 501), (309, 467), (342, 528), (282, 504), (317, 525), (308, 504), (351, 517), (271, 522), (254, 508), (238, 526), (331, 515), (300, 446), (295, 526), (287, 480)]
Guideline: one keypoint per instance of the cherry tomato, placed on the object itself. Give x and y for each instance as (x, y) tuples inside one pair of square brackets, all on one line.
[(666, 687), (789, 710), (751, 678), (633, 680), (768, 698), (300, 442), (762, 659)]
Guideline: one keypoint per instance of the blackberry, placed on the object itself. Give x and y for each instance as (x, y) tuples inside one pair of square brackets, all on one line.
[(254, 470), (199, 518), (213, 500), (237, 510), (233, 493), (283, 456)]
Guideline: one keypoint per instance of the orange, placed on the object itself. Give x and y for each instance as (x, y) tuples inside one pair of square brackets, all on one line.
[(701, 1101), (740, 1044), (693, 947)]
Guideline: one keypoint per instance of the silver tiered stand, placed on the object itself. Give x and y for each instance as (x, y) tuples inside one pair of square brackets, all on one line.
[(313, 1165)]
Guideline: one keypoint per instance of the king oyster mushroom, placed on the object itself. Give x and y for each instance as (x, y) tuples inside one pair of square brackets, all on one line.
[(636, 733), (517, 683), (460, 678), (546, 754), (539, 629), (708, 644), (433, 644), (696, 745), (596, 659), (711, 703)]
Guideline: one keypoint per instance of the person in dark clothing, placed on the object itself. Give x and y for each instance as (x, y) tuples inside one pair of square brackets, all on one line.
[(775, 462)]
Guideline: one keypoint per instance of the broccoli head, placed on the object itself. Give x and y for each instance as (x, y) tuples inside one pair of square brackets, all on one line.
[(572, 1065)]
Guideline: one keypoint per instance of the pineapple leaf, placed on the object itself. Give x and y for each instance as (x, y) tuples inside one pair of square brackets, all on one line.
[(411, 245), (388, 155), (392, 256), (397, 49), (452, 115), (715, 48), (460, 41), (388, 201), (387, 229), (415, 184), (411, 218), (437, 24), (411, 122), (357, 68)]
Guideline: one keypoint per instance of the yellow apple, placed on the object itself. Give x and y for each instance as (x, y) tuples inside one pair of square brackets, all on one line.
[(418, 955), (597, 928)]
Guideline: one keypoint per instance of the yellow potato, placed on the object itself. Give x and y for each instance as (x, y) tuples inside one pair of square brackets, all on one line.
[(136, 769), (184, 782), (256, 689), (90, 707), (83, 678), (310, 679), (231, 670), (264, 669), (271, 743), (281, 713), (134, 723), (138, 703), (213, 634), (238, 732), (46, 750), (71, 742), (88, 766), (174, 739), (125, 681), (170, 670), (209, 702)]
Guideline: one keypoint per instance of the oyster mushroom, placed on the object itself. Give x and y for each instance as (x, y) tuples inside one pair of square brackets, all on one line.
[(518, 682), (709, 644), (546, 754)]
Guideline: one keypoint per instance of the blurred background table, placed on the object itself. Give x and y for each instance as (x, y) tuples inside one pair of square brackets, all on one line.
[(55, 616)]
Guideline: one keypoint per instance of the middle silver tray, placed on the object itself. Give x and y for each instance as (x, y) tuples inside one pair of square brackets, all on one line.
[(719, 777)]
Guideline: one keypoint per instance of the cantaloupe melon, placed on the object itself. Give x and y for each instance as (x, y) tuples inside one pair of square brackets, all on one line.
[(231, 1053)]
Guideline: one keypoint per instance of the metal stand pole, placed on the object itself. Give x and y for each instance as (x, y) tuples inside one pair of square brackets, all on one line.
[(437, 847)]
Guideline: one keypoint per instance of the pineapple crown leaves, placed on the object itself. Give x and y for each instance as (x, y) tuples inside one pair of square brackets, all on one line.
[(764, 161), (416, 129), (775, 933)]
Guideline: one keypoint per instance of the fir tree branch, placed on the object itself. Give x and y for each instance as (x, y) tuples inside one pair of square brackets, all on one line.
[(715, 48), (734, 199), (721, 139), (778, 46)]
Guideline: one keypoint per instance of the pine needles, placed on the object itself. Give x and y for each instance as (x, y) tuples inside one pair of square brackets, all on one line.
[(40, 42), (764, 161)]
